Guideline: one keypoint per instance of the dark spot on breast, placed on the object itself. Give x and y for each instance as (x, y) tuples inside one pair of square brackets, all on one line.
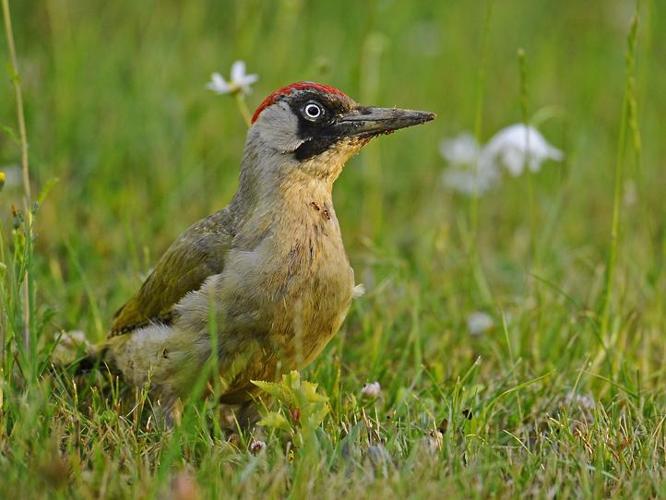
[(324, 213)]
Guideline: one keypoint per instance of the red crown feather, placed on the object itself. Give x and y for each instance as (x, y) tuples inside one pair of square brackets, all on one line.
[(273, 97)]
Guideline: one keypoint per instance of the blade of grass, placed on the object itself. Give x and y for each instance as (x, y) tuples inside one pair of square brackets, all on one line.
[(475, 259), (628, 120), (25, 170)]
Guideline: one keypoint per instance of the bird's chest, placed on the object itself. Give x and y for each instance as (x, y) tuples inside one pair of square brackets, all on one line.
[(305, 287), (312, 274)]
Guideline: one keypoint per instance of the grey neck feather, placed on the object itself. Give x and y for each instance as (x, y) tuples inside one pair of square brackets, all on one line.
[(270, 179)]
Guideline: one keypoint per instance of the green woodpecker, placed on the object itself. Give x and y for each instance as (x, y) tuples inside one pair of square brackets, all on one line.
[(263, 284)]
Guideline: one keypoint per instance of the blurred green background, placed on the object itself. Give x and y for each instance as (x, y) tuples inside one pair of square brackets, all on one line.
[(118, 114)]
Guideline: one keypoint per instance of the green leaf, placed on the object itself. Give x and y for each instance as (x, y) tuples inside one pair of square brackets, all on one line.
[(274, 420), (275, 389)]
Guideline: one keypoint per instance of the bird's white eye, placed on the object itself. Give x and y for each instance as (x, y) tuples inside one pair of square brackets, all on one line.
[(313, 111)]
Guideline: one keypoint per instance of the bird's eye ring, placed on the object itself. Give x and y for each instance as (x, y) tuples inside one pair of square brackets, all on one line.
[(313, 111)]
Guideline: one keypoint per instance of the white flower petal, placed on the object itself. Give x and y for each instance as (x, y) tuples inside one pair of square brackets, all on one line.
[(218, 84), (513, 159), (479, 322), (460, 150), (519, 145), (372, 390), (237, 71), (555, 154), (248, 80)]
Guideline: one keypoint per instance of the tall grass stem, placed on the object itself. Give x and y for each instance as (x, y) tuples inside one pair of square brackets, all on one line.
[(242, 107), (628, 120), (524, 115), (475, 259), (25, 169)]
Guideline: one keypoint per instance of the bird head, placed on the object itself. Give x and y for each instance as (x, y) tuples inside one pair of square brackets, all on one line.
[(315, 128)]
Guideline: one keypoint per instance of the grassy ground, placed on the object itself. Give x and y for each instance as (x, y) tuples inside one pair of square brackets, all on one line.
[(563, 396)]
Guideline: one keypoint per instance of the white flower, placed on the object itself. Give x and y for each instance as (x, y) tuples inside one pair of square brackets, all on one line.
[(479, 322), (474, 169), (372, 390), (516, 146), (240, 82)]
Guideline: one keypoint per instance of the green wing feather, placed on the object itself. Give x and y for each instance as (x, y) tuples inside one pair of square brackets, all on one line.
[(197, 254)]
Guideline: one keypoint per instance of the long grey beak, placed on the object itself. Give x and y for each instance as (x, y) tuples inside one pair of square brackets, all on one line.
[(367, 121)]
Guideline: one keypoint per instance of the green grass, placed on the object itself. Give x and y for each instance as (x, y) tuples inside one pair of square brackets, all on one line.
[(565, 396)]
